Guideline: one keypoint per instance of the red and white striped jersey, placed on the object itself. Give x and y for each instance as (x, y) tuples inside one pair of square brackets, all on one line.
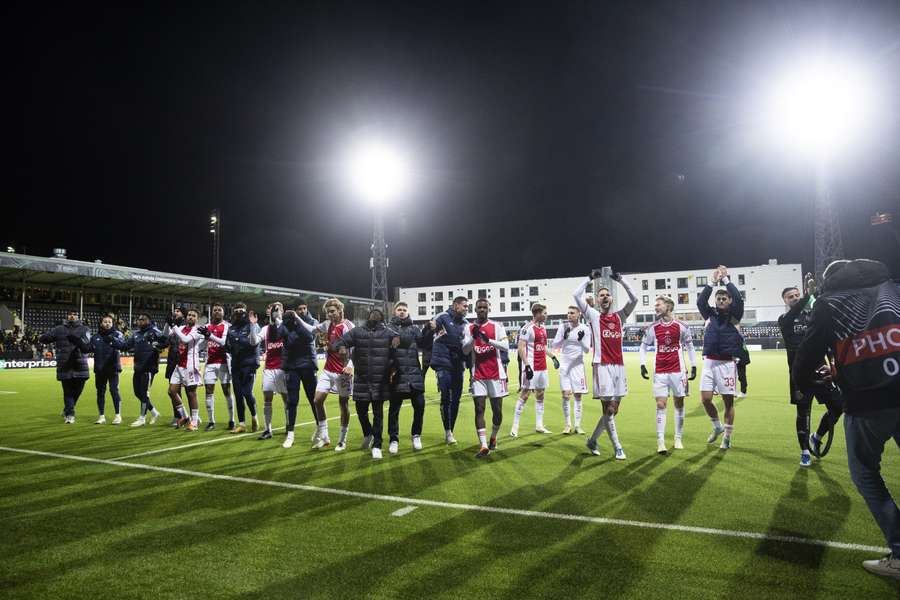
[(188, 346), (536, 350), (671, 338), (215, 352), (334, 363), (486, 356), (272, 349)]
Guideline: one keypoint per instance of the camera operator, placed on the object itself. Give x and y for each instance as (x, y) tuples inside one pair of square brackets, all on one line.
[(857, 318)]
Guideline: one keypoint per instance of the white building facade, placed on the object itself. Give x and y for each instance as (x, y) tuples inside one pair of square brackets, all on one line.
[(511, 301)]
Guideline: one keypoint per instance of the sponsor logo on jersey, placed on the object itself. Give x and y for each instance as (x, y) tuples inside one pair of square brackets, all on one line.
[(611, 334)]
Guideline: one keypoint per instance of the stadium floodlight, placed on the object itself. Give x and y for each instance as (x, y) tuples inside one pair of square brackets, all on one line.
[(819, 106), (378, 172)]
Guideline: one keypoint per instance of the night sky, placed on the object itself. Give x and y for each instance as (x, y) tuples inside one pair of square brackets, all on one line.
[(547, 138)]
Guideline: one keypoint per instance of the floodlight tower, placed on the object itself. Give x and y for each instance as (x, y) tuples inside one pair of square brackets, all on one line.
[(378, 174), (215, 229), (827, 229)]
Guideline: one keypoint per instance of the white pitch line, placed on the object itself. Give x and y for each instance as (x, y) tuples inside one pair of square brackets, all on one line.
[(4, 392), (402, 512), (752, 535)]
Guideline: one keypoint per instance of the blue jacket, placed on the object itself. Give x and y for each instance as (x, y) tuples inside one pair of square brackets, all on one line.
[(146, 357), (106, 346), (446, 351), (722, 339), (244, 353), (299, 350)]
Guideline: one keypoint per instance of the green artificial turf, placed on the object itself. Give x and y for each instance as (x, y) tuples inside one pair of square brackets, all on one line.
[(97, 530)]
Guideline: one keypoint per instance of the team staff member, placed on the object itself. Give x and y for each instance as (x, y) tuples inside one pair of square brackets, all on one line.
[(106, 345), (409, 380), (857, 319), (448, 362), (298, 361), (72, 341), (242, 343), (145, 343)]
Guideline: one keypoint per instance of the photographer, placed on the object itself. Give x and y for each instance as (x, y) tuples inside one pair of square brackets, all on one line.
[(857, 318)]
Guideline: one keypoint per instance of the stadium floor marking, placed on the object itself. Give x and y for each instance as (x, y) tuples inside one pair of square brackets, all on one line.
[(5, 392), (752, 535), (402, 512)]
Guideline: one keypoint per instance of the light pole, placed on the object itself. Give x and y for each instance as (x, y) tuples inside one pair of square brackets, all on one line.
[(215, 229)]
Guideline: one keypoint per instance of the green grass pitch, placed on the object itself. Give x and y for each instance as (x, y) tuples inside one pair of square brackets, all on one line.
[(92, 529)]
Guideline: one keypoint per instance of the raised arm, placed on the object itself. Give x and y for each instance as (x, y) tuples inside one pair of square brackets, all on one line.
[(706, 311), (737, 302), (578, 294), (626, 310)]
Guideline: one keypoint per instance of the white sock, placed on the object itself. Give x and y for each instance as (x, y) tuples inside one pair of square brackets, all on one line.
[(716, 423), (154, 412), (195, 416), (611, 430), (679, 421), (343, 439), (323, 430), (520, 407), (290, 435), (729, 429), (539, 414), (577, 411), (180, 410), (267, 414), (482, 437), (566, 412), (143, 409), (229, 401), (660, 423), (210, 407), (599, 429)]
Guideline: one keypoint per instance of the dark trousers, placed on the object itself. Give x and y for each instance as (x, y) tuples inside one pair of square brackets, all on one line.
[(293, 378), (742, 376), (141, 382), (72, 389), (374, 428), (244, 379), (101, 380), (418, 404), (804, 409), (450, 383)]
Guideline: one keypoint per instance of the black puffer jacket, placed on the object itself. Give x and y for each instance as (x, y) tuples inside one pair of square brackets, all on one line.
[(408, 378), (372, 355), (73, 343)]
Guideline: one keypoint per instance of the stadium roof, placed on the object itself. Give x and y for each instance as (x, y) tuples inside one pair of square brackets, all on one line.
[(17, 270)]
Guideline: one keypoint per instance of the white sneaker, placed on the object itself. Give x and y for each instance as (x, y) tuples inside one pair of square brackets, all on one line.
[(542, 429), (715, 433), (450, 439), (154, 415), (340, 447), (620, 453), (366, 443), (514, 433), (579, 430), (394, 447), (886, 566), (376, 453), (288, 441), (321, 443), (417, 442), (678, 444), (741, 395), (726, 443), (117, 420), (661, 447), (567, 430), (315, 436), (101, 420), (139, 422), (69, 420)]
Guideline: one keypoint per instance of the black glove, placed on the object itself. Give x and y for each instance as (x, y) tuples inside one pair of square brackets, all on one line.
[(566, 333), (644, 373), (476, 330), (170, 320), (529, 372), (73, 339), (581, 335), (596, 273), (204, 331), (693, 374), (484, 337), (555, 362), (616, 276), (155, 345), (290, 320), (179, 321)]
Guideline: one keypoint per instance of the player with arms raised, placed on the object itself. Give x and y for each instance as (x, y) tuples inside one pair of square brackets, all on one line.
[(217, 368), (610, 385), (572, 340), (671, 338), (533, 354), (273, 376), (187, 371)]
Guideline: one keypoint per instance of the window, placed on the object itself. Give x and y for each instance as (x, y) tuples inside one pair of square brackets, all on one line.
[(682, 282), (514, 292), (439, 295), (743, 295), (422, 297), (645, 285), (503, 292), (684, 298), (645, 300), (701, 281), (422, 311), (482, 293), (469, 294), (438, 309), (533, 290), (449, 295), (515, 307), (502, 304), (741, 280), (660, 284)]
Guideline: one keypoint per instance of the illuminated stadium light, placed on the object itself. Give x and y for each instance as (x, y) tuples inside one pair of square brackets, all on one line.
[(819, 107), (378, 172)]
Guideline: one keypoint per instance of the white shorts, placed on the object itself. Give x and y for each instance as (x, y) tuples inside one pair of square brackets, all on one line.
[(571, 379), (335, 383), (185, 376), (663, 383), (718, 377), (216, 372), (273, 381), (537, 382), (609, 381), (492, 388)]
